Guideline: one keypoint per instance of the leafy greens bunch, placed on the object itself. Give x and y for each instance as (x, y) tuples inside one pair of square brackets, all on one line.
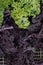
[(22, 9)]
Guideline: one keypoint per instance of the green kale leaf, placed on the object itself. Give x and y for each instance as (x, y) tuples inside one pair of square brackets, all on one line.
[(22, 9)]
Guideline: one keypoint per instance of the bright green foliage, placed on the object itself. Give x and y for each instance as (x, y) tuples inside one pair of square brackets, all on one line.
[(24, 8), (4, 4)]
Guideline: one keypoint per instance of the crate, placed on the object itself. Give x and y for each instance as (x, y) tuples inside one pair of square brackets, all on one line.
[(2, 61), (38, 55)]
